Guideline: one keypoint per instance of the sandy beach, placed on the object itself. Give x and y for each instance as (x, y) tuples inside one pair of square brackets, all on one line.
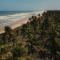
[(18, 23), (2, 30)]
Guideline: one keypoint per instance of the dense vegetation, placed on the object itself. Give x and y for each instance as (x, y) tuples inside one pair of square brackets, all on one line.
[(38, 39)]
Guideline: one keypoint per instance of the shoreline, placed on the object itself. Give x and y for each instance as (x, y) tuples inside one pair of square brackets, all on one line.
[(18, 23), (14, 24)]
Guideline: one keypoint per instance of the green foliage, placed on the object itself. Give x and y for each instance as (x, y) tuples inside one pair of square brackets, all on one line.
[(40, 35), (21, 58)]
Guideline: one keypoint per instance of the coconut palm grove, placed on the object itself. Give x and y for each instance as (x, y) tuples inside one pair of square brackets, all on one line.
[(38, 39)]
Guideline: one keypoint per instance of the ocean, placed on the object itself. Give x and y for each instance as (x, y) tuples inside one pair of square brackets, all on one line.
[(8, 17), (2, 13)]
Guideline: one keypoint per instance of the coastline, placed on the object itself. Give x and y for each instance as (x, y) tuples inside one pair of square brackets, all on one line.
[(14, 23)]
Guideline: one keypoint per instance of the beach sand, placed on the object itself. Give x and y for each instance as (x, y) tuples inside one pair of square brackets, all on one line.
[(2, 30), (18, 23)]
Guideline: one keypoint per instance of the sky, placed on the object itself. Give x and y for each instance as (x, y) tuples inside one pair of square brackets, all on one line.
[(8, 5)]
